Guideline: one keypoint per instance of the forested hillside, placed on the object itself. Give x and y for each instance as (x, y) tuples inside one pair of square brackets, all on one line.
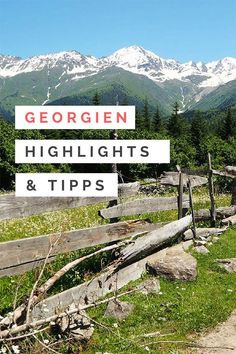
[(192, 136)]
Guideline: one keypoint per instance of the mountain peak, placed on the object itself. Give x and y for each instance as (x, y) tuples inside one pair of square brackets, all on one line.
[(134, 58)]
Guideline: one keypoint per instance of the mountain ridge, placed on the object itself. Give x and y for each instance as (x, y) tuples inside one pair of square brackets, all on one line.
[(46, 78), (133, 58)]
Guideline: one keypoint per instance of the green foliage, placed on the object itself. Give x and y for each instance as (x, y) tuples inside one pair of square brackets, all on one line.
[(176, 124), (96, 99), (229, 125), (198, 132), (192, 136), (157, 125), (8, 168)]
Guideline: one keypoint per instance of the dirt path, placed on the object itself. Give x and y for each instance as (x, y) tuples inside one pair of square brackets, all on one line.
[(222, 339)]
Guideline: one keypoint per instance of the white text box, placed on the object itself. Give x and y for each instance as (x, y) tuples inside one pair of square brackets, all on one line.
[(66, 184), (75, 117), (92, 151)]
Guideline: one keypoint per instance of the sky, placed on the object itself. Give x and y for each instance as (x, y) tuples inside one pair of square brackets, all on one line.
[(198, 30)]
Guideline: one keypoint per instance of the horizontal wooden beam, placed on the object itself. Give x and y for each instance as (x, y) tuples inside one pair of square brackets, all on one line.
[(221, 213), (231, 170), (172, 179), (147, 205), (223, 173), (22, 255), (18, 207)]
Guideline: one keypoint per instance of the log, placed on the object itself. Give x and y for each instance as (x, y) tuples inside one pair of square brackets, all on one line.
[(90, 291), (229, 221), (231, 170), (19, 256), (147, 205), (197, 172), (172, 179), (221, 213), (12, 334), (18, 207), (145, 245), (222, 173)]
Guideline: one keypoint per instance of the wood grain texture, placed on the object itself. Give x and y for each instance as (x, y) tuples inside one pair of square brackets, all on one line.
[(19, 256), (90, 291), (141, 206), (114, 277), (18, 207), (221, 213), (172, 179), (145, 245)]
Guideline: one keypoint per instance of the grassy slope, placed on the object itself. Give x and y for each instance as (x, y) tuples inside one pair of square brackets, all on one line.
[(183, 309)]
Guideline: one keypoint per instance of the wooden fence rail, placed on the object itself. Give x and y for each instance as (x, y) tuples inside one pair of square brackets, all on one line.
[(17, 207), (22, 255), (140, 206), (19, 256)]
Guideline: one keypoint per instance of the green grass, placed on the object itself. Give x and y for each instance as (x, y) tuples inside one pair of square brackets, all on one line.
[(183, 309)]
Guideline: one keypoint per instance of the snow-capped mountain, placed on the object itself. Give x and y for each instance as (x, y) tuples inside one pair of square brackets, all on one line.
[(134, 59), (45, 78), (141, 61), (72, 62)]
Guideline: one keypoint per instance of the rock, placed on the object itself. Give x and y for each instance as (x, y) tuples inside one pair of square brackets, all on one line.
[(118, 309), (200, 243), (228, 264), (201, 249), (186, 245), (81, 327), (150, 286), (78, 325), (215, 239), (203, 233), (188, 235), (174, 263)]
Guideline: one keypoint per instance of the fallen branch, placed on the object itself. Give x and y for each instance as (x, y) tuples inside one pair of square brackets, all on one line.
[(30, 301), (31, 325), (37, 294), (155, 334)]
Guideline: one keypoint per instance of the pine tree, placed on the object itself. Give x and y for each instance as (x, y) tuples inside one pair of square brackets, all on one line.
[(229, 125), (157, 121), (199, 130), (96, 99), (176, 125), (138, 119), (145, 115)]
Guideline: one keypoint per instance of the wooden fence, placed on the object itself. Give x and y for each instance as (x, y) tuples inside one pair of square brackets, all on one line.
[(21, 255)]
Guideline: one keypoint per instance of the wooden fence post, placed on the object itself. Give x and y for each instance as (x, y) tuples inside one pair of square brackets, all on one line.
[(211, 191), (191, 207), (180, 195), (114, 136)]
